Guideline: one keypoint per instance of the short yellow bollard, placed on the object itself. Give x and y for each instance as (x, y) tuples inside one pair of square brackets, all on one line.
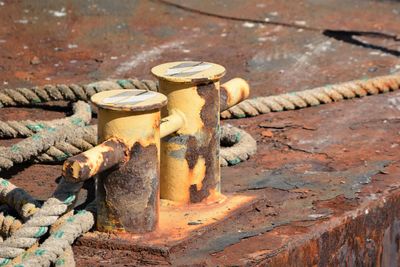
[(127, 162), (190, 169)]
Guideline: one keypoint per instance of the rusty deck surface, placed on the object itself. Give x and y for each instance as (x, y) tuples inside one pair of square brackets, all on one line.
[(326, 178)]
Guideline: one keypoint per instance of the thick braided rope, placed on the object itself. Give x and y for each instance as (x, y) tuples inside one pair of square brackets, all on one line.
[(72, 145), (313, 97), (38, 225), (239, 145), (66, 259), (38, 143), (18, 199), (8, 224), (71, 92), (81, 117), (59, 241)]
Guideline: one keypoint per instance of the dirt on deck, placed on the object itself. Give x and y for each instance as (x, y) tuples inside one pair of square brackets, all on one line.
[(327, 177)]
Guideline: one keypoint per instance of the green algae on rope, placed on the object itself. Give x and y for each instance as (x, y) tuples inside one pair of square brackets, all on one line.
[(56, 244), (35, 145), (34, 228)]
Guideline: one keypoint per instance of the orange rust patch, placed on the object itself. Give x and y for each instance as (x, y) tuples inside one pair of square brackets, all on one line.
[(178, 223)]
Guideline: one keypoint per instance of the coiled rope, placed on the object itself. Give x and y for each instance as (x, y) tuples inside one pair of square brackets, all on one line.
[(38, 143), (37, 225), (313, 97), (72, 145), (13, 129), (61, 240), (236, 145)]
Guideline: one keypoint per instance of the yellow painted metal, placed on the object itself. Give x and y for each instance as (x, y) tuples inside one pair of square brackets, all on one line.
[(130, 126), (190, 157), (122, 116), (132, 116), (236, 91), (172, 123), (94, 160)]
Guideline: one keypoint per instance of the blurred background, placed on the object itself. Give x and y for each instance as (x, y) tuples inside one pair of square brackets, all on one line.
[(277, 45)]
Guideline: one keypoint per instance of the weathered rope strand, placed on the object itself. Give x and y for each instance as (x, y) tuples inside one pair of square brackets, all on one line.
[(61, 240), (313, 97), (81, 117), (72, 145), (71, 92), (239, 145), (18, 199), (8, 224), (38, 143), (26, 236)]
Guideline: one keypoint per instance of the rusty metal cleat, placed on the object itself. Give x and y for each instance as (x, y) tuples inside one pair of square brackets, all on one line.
[(190, 169)]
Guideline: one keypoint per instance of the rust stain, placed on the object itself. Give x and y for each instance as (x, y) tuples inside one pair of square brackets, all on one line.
[(102, 157), (206, 145), (128, 195)]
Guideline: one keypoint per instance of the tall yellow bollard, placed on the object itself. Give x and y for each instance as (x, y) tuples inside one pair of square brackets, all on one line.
[(190, 170), (127, 162)]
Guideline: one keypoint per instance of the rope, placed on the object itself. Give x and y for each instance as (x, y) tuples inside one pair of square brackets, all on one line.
[(58, 242), (37, 226), (239, 145), (67, 258), (313, 97), (37, 144), (72, 145), (18, 199), (8, 224), (81, 117), (71, 92)]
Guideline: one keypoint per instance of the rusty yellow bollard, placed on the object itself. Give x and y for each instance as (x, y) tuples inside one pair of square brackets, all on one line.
[(190, 169), (127, 162)]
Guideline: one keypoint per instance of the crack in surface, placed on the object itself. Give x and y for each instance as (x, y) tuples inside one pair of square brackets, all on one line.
[(291, 147)]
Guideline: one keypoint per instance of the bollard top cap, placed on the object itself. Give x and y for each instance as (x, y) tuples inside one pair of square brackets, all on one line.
[(189, 72), (129, 100)]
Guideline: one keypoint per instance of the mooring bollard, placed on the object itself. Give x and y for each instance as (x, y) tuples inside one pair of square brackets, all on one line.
[(190, 169), (127, 162)]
